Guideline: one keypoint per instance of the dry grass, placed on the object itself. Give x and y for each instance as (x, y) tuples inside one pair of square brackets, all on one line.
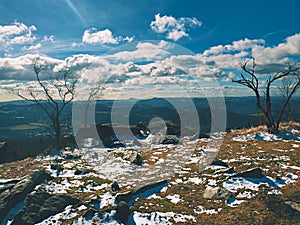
[(269, 156)]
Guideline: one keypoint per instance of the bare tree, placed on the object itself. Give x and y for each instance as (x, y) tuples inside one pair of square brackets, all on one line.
[(285, 89), (94, 93), (53, 92), (250, 80)]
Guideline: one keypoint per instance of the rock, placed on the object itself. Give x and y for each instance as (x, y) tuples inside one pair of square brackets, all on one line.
[(82, 171), (89, 214), (6, 155), (219, 162), (3, 146), (225, 170), (149, 189), (170, 139), (133, 157), (115, 187), (122, 212), (40, 205), (136, 143), (57, 167), (198, 135), (294, 205), (72, 157), (284, 209), (251, 173), (10, 197), (218, 193), (7, 184)]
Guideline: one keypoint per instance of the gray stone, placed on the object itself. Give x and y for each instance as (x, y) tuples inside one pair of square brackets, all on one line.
[(41, 205), (122, 212), (218, 193), (17, 193), (133, 157)]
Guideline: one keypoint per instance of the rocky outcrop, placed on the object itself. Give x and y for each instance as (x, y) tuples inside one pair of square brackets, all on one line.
[(41, 205), (17, 193)]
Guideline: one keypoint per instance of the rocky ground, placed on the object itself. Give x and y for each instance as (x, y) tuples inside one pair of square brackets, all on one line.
[(254, 179)]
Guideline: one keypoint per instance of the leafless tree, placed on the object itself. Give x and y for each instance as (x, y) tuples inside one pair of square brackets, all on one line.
[(285, 88), (94, 93), (250, 80), (53, 91)]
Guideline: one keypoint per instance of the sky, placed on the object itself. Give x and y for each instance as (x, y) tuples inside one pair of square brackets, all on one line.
[(147, 48)]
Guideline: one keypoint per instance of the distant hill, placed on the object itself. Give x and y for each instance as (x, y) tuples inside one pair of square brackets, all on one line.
[(25, 119)]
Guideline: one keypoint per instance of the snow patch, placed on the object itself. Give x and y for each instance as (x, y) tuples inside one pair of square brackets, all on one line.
[(174, 198), (159, 218)]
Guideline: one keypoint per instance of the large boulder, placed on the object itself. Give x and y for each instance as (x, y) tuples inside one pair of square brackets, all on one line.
[(218, 193), (251, 173), (17, 193), (40, 205), (122, 212)]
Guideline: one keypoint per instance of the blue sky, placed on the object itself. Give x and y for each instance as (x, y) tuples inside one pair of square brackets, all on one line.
[(213, 30)]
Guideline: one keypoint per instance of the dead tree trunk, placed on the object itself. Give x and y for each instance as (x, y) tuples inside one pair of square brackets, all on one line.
[(251, 81)]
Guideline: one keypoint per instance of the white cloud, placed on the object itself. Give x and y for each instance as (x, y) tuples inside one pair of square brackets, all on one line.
[(144, 51), (20, 68), (32, 47), (174, 28), (239, 45), (290, 47), (48, 39), (93, 36), (17, 33), (128, 39), (176, 34)]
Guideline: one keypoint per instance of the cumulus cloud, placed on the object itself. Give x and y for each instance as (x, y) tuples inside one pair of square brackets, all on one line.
[(20, 68), (172, 27), (239, 45), (144, 51), (93, 36), (32, 47), (17, 33), (290, 47)]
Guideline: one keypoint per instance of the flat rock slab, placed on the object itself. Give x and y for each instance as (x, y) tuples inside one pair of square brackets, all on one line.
[(251, 173)]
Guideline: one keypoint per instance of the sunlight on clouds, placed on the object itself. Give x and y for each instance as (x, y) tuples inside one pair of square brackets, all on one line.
[(144, 51), (93, 36), (174, 28)]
